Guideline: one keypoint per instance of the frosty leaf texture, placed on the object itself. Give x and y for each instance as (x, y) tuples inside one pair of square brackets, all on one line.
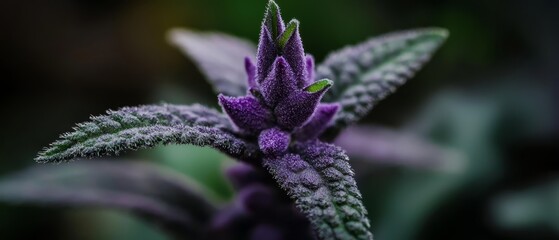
[(132, 128), (366, 73), (150, 192), (219, 56), (320, 180)]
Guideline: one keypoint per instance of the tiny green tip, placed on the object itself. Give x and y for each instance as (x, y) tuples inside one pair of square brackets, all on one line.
[(271, 18), (319, 85), (291, 28), (272, 5)]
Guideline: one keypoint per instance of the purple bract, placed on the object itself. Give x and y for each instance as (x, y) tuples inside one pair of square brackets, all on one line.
[(283, 100)]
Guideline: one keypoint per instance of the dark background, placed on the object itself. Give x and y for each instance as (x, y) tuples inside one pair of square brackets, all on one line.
[(63, 61)]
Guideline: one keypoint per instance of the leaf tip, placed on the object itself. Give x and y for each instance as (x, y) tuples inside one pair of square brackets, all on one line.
[(272, 6), (319, 85), (292, 27), (43, 156), (174, 35), (272, 19), (438, 32), (40, 159)]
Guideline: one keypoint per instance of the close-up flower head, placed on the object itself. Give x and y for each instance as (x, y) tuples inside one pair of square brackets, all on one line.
[(277, 139)]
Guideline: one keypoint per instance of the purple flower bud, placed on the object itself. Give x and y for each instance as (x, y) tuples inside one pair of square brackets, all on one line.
[(322, 116), (246, 112), (273, 141), (282, 91), (272, 27), (294, 53), (251, 72), (309, 64), (279, 83), (298, 107), (266, 54)]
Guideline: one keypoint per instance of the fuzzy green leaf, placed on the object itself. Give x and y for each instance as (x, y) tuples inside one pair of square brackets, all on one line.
[(320, 180), (132, 128), (368, 72), (158, 195)]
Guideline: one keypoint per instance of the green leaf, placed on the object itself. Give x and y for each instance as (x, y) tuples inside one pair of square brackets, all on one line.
[(289, 30), (158, 195), (133, 128), (366, 73), (218, 56), (320, 180), (319, 85)]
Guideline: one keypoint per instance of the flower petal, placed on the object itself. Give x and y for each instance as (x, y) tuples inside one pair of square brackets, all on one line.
[(309, 66), (295, 55), (295, 110), (265, 55), (279, 83), (246, 113), (251, 72), (273, 141), (322, 116)]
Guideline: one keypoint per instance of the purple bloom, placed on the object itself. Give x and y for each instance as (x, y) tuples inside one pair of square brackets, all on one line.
[(273, 141), (283, 95), (323, 115), (272, 119), (247, 113)]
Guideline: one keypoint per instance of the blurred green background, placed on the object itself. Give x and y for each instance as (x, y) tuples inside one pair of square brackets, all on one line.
[(491, 93)]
